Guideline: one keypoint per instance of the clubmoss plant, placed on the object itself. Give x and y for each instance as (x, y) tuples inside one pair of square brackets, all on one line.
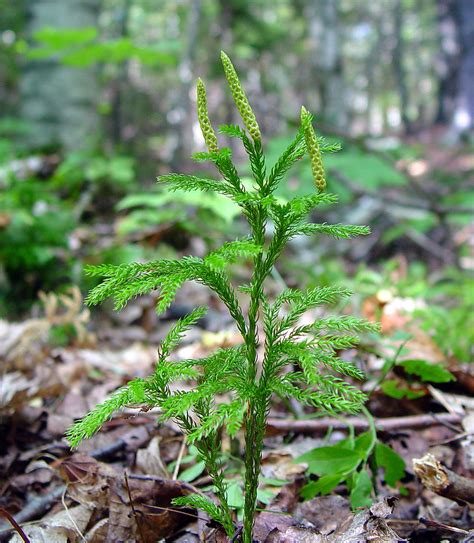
[(248, 379)]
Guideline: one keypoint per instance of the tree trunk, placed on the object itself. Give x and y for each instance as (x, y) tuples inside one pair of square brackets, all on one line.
[(464, 113), (326, 60), (59, 102), (120, 81), (227, 20), (372, 69), (456, 66), (447, 65), (398, 64), (183, 106), (12, 22)]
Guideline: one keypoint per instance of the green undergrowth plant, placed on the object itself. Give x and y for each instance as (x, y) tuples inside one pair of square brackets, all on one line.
[(201, 213), (353, 461), (34, 255), (248, 375)]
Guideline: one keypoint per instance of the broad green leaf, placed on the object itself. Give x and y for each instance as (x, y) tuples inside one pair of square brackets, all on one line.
[(273, 482), (330, 460), (363, 444), (434, 373), (393, 464), (361, 490), (235, 496), (221, 206), (347, 443), (324, 485), (393, 389), (403, 490), (369, 171), (193, 472), (265, 495)]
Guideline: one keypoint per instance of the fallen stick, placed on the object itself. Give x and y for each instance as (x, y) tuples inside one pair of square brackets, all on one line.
[(15, 524), (313, 426), (439, 525), (442, 481)]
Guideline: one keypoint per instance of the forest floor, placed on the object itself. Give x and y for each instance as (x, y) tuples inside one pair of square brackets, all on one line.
[(119, 485), (414, 483)]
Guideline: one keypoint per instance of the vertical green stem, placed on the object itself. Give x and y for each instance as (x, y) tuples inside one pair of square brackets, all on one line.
[(250, 485), (253, 431), (208, 449)]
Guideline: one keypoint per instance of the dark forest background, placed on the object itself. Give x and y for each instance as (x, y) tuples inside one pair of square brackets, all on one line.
[(98, 98)]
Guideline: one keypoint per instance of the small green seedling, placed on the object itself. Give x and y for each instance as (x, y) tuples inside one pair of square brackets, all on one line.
[(417, 372), (353, 461), (239, 373)]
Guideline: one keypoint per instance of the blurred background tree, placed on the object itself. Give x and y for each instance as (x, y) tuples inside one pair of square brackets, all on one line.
[(394, 66), (98, 99)]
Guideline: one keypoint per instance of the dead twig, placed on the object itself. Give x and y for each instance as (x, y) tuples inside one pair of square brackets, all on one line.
[(134, 512), (440, 525), (166, 484), (441, 480), (35, 509), (313, 426), (73, 522), (178, 460), (15, 524)]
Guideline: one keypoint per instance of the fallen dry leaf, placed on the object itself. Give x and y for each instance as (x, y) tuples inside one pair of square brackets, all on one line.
[(279, 514), (138, 507), (20, 343), (325, 513), (149, 461), (67, 526), (367, 526), (293, 534), (98, 532), (37, 472), (16, 389), (87, 480)]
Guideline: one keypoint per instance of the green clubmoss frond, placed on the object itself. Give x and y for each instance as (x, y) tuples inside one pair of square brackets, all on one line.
[(233, 250), (346, 323), (86, 427), (190, 183), (303, 301), (338, 231), (228, 415), (229, 388), (203, 503), (175, 334)]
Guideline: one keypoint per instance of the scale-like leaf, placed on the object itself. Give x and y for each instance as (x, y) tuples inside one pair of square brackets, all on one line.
[(198, 501)]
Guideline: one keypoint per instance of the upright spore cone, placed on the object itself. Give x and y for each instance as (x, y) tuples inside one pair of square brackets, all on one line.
[(203, 116), (240, 98), (313, 150)]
